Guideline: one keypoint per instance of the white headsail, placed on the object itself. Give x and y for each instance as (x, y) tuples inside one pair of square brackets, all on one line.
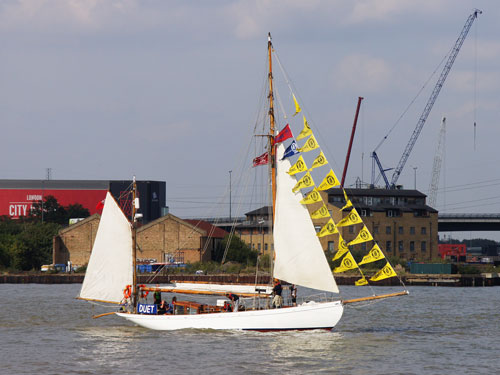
[(110, 266), (300, 259)]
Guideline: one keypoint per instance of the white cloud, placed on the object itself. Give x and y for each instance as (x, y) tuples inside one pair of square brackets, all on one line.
[(361, 73)]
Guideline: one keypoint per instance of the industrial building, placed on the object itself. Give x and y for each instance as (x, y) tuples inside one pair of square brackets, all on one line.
[(400, 221), (166, 240), (18, 196)]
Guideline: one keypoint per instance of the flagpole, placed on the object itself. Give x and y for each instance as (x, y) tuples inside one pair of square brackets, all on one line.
[(271, 122)]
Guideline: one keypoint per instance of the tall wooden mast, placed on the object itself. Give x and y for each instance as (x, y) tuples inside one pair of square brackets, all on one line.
[(272, 151), (135, 292)]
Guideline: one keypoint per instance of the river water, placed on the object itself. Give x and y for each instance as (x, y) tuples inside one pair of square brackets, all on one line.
[(44, 330)]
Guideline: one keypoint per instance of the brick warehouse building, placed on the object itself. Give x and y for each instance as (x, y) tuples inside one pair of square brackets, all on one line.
[(165, 240), (17, 196), (399, 220)]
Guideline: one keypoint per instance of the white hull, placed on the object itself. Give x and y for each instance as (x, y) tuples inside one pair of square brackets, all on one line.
[(311, 315)]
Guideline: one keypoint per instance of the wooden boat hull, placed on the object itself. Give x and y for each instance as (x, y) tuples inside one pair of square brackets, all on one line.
[(311, 315)]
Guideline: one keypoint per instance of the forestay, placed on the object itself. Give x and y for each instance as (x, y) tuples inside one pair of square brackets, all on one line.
[(300, 259), (110, 266)]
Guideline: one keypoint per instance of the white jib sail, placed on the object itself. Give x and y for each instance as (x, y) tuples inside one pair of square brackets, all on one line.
[(300, 259), (110, 265)]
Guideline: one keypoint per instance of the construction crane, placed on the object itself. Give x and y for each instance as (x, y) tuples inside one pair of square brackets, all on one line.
[(436, 166), (425, 113)]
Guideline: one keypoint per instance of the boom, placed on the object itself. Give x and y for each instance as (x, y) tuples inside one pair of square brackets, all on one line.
[(434, 95)]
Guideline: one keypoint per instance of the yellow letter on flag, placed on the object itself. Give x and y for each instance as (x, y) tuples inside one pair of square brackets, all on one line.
[(297, 106), (328, 228), (306, 131), (329, 181), (312, 197), (319, 161), (364, 235), (374, 254), (351, 219), (348, 263), (310, 145), (299, 166), (384, 273), (305, 181), (320, 212)]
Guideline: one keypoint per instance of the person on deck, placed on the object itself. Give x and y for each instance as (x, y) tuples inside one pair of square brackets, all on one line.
[(162, 308), (157, 296), (278, 299), (171, 306), (234, 300), (293, 294)]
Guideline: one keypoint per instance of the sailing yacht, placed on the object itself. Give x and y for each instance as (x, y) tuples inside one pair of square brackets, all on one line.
[(298, 259)]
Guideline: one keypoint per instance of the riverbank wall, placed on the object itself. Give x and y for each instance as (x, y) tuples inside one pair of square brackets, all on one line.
[(485, 279)]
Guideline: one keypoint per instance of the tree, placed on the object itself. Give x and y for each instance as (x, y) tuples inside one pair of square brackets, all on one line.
[(52, 212), (239, 251)]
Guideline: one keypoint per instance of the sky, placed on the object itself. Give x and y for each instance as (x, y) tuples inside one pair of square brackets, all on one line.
[(170, 90)]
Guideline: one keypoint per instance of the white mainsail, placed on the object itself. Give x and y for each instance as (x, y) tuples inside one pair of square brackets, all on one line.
[(300, 259), (110, 265)]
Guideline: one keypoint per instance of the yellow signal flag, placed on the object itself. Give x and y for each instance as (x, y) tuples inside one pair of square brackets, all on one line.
[(348, 263), (313, 196), (384, 273), (320, 213), (342, 248), (306, 130), (297, 106), (319, 161), (304, 182), (364, 235), (328, 228), (329, 181), (299, 166), (348, 202), (311, 144), (361, 281), (373, 255), (351, 219)]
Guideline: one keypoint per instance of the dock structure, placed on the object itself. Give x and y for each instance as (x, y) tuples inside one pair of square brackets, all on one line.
[(479, 280)]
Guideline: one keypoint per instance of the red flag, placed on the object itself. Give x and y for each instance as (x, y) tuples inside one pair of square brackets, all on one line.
[(100, 205), (261, 160), (283, 135)]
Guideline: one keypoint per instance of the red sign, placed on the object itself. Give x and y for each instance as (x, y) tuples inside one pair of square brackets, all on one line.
[(18, 202)]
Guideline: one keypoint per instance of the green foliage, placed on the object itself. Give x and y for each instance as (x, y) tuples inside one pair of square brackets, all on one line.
[(465, 269), (239, 251), (52, 212), (26, 245)]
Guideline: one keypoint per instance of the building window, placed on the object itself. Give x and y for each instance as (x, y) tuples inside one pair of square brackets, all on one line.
[(388, 230), (351, 229), (318, 228), (423, 230), (412, 230), (412, 245), (363, 246), (401, 230), (389, 213), (400, 245), (363, 213), (258, 246), (375, 229), (330, 212), (265, 247), (330, 245), (388, 246), (423, 246)]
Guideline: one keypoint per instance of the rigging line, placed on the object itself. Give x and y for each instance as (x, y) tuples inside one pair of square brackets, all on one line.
[(412, 101), (280, 102), (475, 82)]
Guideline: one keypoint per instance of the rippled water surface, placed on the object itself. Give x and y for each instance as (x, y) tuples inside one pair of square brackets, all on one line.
[(44, 330)]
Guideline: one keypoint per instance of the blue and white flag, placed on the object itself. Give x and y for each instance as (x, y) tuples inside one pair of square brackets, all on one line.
[(290, 150)]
